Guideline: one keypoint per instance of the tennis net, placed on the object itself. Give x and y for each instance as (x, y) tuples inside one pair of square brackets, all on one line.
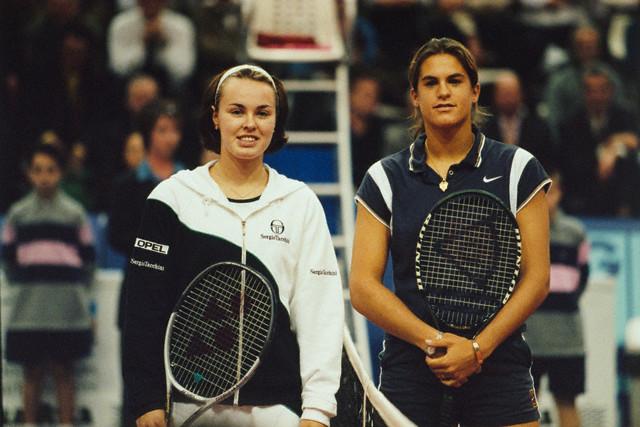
[(360, 403)]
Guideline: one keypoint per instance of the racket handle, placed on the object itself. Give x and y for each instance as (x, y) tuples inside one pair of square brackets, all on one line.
[(446, 410), (167, 412)]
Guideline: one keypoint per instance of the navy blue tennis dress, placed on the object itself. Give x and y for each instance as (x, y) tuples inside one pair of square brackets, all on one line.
[(400, 190)]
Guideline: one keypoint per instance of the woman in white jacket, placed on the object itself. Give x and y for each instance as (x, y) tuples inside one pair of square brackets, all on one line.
[(238, 209)]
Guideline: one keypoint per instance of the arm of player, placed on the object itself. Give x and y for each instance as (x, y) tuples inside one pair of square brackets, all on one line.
[(317, 316), (154, 418), (369, 296)]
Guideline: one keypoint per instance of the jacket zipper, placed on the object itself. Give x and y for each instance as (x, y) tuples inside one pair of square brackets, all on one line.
[(244, 246), (236, 395)]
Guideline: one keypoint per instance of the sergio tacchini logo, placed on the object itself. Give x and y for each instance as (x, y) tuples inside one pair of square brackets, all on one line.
[(277, 228)]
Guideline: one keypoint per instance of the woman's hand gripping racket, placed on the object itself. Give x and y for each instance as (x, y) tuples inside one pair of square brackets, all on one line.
[(467, 265), (217, 333)]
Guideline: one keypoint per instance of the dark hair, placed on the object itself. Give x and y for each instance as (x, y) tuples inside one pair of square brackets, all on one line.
[(362, 72), (80, 30), (210, 136), (51, 150), (465, 58), (149, 115), (597, 69)]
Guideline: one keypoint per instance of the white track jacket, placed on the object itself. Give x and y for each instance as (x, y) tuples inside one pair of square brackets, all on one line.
[(188, 224)]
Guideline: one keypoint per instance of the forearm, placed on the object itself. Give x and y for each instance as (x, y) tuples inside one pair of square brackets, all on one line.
[(154, 418), (317, 316), (383, 308), (369, 296), (524, 301)]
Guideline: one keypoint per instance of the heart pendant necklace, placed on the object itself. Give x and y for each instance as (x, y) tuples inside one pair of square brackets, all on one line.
[(443, 184)]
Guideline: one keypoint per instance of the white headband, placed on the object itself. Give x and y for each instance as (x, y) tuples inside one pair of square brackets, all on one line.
[(243, 67)]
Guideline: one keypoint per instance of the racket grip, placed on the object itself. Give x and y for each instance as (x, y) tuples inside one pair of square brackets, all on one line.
[(446, 410), (167, 412)]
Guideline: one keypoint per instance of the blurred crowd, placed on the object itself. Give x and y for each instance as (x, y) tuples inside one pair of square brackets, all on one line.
[(560, 77)]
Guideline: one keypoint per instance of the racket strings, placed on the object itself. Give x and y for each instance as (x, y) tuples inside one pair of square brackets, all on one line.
[(204, 356), (467, 261)]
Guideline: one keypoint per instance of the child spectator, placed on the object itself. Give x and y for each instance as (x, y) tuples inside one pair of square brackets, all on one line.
[(48, 255)]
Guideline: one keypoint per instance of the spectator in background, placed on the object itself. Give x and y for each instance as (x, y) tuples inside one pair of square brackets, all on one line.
[(563, 90), (140, 90), (220, 36), (598, 152), (399, 32), (54, 78), (541, 36), (44, 33), (631, 60), (134, 152), (159, 124), (78, 177), (450, 18), (73, 97), (14, 18), (554, 330), (48, 255), (71, 91), (153, 39), (363, 42), (367, 129), (107, 144), (513, 123)]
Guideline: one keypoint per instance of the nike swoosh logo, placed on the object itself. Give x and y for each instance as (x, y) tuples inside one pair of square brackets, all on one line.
[(487, 180)]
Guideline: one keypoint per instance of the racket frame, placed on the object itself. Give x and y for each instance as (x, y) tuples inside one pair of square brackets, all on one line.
[(446, 407), (172, 383), (422, 285)]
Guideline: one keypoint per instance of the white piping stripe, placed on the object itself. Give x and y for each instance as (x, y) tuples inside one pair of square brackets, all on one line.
[(359, 200), (382, 181), (411, 157), (479, 161), (540, 187), (519, 162)]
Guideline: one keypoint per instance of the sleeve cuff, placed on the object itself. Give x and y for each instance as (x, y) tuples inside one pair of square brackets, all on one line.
[(316, 415)]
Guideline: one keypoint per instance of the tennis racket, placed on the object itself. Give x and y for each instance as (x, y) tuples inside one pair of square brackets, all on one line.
[(217, 333), (467, 265)]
